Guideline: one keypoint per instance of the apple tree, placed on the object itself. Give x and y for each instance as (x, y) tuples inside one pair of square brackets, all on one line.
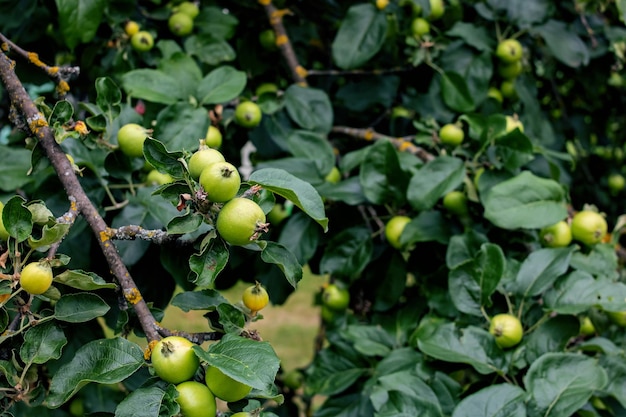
[(452, 170)]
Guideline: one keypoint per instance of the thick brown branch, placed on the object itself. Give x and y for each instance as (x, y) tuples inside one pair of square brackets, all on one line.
[(298, 73), (39, 128), (403, 144)]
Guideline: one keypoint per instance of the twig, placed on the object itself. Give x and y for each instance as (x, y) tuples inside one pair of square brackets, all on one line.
[(39, 128), (298, 73), (403, 144), (376, 72), (197, 338), (60, 75)]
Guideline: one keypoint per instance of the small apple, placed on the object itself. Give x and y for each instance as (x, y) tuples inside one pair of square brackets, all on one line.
[(437, 9), (510, 70), (507, 329), (213, 137), (616, 183), (495, 94), (507, 89), (512, 123), (142, 41), (557, 235), (248, 114), (180, 24), (451, 134), (394, 228), (586, 327), (588, 227), (333, 176), (509, 51), (131, 27), (456, 203), (266, 88), (420, 27)]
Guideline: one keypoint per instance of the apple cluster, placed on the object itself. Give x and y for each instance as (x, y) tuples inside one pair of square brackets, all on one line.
[(509, 53), (174, 361)]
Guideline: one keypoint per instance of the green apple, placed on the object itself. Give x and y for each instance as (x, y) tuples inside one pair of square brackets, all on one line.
[(512, 123), (451, 134), (142, 41), (588, 227), (509, 51), (180, 24), (557, 235), (437, 8), (213, 137), (420, 27)]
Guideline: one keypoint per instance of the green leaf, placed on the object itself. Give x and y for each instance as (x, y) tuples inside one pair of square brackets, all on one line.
[(187, 223), (221, 85), (503, 400), (81, 307), (209, 50), (433, 180), (513, 151), (525, 201), (428, 226), (561, 383), (310, 108), (208, 264), (333, 373), (381, 177), (348, 405), (472, 284), (248, 361), (49, 235), (231, 319), (311, 145), (181, 126), (563, 43), (217, 22), (471, 345), (184, 69), (578, 292), (106, 361), (17, 219), (552, 335), (198, 300), (360, 36), (615, 368), (42, 343), (301, 193), (601, 261), (275, 253), (82, 280), (348, 253), (621, 8), (145, 401), (152, 85), (404, 394), (369, 340), (455, 93), (365, 94), (108, 97), (162, 160), (61, 113), (14, 166), (462, 248), (540, 269), (475, 36), (301, 235), (79, 20)]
